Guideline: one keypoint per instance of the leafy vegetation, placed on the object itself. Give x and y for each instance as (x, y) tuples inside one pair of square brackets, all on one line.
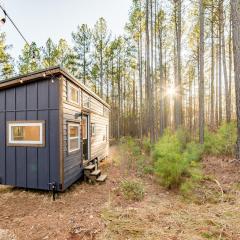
[(132, 190), (176, 160), (221, 142), (137, 155)]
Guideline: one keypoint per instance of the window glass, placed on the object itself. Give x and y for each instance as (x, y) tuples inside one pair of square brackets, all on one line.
[(74, 144), (86, 101), (73, 94), (25, 133), (73, 137), (74, 131)]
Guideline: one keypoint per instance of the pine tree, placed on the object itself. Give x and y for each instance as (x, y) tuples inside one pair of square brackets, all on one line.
[(82, 39), (29, 60), (235, 9), (6, 61), (50, 54), (101, 38)]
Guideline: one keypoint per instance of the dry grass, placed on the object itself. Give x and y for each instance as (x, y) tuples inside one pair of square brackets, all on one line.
[(90, 212), (212, 211), (160, 218)]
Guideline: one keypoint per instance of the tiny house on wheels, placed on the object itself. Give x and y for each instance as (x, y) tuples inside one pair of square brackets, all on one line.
[(52, 130)]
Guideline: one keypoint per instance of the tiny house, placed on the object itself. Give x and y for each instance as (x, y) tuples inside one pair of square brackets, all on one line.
[(51, 127)]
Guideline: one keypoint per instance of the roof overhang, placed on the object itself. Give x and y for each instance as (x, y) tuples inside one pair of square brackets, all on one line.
[(47, 73)]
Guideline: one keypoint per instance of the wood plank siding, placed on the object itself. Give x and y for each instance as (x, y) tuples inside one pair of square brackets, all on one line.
[(73, 163)]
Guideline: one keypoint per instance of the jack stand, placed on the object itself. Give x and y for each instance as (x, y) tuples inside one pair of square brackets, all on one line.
[(53, 187)]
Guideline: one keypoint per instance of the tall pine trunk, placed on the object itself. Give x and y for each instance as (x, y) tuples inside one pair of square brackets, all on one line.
[(235, 11), (212, 66), (220, 9), (178, 81), (201, 73)]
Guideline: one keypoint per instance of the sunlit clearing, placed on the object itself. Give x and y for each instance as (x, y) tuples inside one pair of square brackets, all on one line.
[(171, 91)]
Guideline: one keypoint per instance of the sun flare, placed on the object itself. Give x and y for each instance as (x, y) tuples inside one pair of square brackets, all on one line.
[(171, 91)]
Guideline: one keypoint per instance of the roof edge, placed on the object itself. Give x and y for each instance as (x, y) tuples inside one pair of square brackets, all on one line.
[(52, 71)]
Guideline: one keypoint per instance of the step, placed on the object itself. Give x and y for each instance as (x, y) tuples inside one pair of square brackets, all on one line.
[(102, 178), (95, 173), (90, 167)]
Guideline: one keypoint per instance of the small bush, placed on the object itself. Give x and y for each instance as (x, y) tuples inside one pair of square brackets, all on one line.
[(147, 146), (132, 190), (135, 156), (221, 142), (175, 159)]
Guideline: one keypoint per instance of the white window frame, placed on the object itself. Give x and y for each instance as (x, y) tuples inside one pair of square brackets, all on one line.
[(70, 85), (39, 124), (73, 138)]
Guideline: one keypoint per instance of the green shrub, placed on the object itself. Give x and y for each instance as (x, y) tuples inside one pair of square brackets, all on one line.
[(193, 152), (146, 145), (132, 190), (175, 159), (221, 142)]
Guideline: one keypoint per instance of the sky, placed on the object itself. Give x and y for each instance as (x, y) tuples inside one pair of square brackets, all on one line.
[(40, 19)]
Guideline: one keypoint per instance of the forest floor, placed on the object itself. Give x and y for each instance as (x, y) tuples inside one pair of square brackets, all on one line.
[(101, 211)]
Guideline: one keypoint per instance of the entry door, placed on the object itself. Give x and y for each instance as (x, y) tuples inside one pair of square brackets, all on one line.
[(85, 137)]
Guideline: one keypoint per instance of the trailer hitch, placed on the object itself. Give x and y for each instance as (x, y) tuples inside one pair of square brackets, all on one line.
[(53, 187)]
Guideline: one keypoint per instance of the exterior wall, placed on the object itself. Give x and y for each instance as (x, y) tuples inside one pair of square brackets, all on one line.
[(73, 165), (73, 168), (31, 167), (100, 141)]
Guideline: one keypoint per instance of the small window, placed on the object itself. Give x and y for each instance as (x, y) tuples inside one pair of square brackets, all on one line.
[(26, 133), (93, 129), (86, 101), (73, 94), (73, 137)]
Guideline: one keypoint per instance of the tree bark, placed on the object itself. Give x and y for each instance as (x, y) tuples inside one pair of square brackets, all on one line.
[(201, 73), (178, 71), (212, 66), (220, 60), (148, 78), (235, 11)]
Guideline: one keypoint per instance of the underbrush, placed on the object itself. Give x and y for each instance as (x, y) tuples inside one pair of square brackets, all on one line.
[(136, 155), (132, 190), (176, 161), (221, 142)]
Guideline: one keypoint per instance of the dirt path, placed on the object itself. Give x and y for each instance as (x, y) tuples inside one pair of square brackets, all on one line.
[(100, 212)]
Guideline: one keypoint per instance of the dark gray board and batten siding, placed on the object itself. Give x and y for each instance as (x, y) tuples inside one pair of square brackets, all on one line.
[(31, 167)]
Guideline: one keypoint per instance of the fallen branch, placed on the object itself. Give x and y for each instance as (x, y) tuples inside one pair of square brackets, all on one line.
[(219, 185)]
